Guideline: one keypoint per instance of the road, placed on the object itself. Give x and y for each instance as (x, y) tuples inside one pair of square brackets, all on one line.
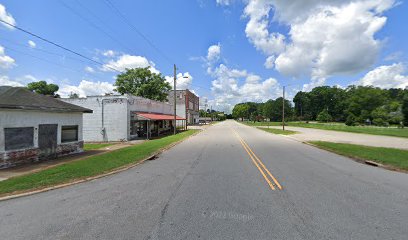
[(229, 182)]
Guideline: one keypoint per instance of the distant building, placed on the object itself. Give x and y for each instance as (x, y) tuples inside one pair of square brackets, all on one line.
[(187, 105), (124, 117), (35, 127)]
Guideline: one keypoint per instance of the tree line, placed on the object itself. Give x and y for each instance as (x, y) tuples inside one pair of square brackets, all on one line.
[(354, 105)]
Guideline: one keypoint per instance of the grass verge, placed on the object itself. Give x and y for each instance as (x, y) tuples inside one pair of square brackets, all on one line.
[(395, 158), (95, 146), (89, 167), (391, 131), (278, 131)]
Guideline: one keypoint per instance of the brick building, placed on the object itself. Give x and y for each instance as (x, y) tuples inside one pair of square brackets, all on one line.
[(187, 104)]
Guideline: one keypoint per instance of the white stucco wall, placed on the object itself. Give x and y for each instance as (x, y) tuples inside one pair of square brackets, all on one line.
[(115, 118), (22, 118), (117, 111)]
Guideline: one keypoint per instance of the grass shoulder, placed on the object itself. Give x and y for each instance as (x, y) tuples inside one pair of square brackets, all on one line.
[(277, 131), (394, 158), (92, 166), (95, 146)]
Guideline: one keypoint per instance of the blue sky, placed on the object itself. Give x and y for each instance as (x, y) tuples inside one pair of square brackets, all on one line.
[(307, 43)]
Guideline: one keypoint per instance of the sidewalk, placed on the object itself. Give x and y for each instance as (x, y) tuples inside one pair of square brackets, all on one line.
[(311, 134), (38, 166)]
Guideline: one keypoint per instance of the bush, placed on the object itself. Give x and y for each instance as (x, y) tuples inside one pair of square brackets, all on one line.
[(380, 122), (351, 120), (324, 116)]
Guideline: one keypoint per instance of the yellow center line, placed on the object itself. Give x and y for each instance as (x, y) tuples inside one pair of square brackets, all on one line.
[(253, 155), (256, 164)]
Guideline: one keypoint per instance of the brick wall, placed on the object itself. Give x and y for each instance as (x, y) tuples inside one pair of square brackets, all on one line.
[(20, 157)]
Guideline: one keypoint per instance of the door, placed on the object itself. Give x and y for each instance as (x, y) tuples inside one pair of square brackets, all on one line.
[(47, 140)]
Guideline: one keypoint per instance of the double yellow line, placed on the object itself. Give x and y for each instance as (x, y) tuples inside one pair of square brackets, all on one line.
[(272, 182)]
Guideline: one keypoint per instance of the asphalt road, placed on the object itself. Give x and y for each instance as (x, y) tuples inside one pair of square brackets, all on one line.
[(212, 186)]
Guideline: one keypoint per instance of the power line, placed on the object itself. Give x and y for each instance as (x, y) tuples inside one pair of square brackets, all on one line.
[(59, 46), (42, 59), (125, 20), (93, 24)]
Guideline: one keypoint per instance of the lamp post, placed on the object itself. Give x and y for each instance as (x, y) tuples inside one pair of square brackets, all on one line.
[(283, 110)]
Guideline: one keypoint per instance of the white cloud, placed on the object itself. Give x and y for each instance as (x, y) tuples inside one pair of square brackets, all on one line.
[(390, 76), (6, 81), (183, 81), (89, 69), (31, 44), (224, 2), (270, 62), (127, 61), (214, 52), (257, 28), (86, 88), (325, 38), (228, 91), (109, 53), (6, 62), (5, 16)]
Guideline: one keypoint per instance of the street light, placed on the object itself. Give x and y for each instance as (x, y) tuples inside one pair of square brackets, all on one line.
[(174, 96)]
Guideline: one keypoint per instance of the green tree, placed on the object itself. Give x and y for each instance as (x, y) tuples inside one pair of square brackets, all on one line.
[(324, 116), (142, 82), (241, 111), (42, 87), (404, 109)]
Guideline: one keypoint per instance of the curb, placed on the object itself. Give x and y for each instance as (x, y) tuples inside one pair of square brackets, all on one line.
[(115, 171)]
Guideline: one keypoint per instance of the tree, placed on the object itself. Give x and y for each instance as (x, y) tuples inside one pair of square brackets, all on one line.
[(42, 87), (241, 111), (73, 95), (142, 82), (404, 109), (324, 116)]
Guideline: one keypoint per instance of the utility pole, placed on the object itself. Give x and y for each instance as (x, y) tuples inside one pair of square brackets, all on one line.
[(283, 110), (174, 96)]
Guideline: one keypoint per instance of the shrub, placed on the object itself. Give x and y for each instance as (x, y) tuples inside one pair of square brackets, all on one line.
[(324, 116), (351, 120)]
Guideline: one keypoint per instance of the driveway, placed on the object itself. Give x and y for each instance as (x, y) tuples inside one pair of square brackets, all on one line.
[(311, 134)]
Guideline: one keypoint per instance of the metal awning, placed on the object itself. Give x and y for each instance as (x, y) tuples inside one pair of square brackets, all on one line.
[(156, 116)]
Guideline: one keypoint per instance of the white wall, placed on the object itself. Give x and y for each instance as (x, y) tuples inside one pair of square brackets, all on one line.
[(115, 118), (22, 118), (117, 111)]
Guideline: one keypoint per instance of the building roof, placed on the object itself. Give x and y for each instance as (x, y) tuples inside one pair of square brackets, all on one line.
[(158, 116), (22, 98)]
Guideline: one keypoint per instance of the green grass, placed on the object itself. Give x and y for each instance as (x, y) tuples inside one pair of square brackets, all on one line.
[(94, 146), (388, 156), (278, 131), (395, 132), (91, 166)]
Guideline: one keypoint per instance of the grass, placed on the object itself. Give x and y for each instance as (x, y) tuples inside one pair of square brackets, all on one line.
[(397, 158), (278, 131), (94, 146), (91, 166), (395, 132)]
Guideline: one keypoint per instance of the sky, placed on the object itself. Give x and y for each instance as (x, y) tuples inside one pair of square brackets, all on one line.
[(226, 51)]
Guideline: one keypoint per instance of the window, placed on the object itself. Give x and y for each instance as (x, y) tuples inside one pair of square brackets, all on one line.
[(69, 133), (18, 138)]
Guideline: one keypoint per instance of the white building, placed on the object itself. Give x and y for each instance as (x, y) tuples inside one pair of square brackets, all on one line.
[(34, 127), (124, 117)]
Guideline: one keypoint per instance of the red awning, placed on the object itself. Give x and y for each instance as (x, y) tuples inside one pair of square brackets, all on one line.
[(158, 116)]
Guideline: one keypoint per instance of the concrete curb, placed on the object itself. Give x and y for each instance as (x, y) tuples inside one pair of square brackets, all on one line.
[(115, 171)]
